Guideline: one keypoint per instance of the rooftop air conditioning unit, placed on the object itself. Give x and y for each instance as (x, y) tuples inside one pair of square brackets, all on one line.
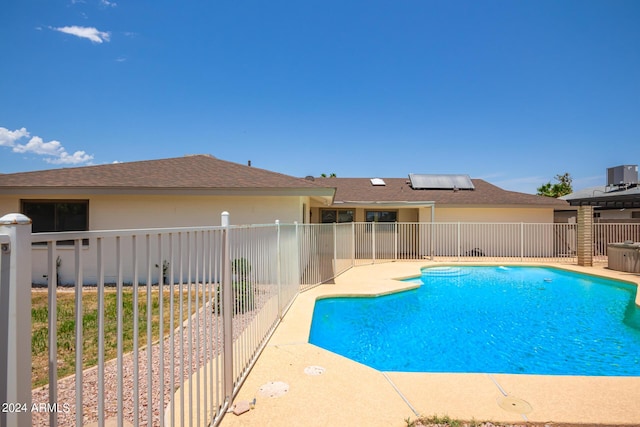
[(622, 175)]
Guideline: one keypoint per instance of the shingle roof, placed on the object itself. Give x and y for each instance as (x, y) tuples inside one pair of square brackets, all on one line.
[(189, 172), (360, 190)]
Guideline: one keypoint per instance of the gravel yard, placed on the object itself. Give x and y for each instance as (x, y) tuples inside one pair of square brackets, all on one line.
[(159, 392)]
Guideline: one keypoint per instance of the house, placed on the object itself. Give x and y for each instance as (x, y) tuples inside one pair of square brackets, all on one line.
[(194, 190), (188, 191), (432, 208), (431, 198), (175, 192)]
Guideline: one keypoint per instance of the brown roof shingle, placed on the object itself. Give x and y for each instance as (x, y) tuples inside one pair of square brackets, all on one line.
[(189, 172), (360, 190)]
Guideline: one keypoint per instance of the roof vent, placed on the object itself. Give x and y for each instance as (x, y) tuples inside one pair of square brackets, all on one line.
[(309, 178), (377, 182), (625, 175)]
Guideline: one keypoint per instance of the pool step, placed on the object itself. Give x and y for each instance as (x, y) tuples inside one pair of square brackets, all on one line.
[(444, 272)]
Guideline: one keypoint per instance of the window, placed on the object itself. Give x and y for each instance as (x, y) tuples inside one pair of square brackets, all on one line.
[(336, 215), (382, 216), (635, 214), (57, 215)]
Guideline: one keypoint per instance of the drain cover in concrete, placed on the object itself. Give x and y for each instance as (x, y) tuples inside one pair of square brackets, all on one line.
[(314, 370), (513, 404), (274, 389)]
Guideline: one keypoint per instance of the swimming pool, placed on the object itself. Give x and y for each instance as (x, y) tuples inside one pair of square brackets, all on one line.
[(519, 320)]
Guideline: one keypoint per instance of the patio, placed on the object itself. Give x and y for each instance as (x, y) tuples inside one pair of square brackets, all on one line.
[(348, 393)]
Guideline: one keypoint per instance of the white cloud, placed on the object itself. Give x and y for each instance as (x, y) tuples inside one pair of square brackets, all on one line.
[(108, 3), (76, 158), (8, 137), (90, 33), (53, 151), (37, 146)]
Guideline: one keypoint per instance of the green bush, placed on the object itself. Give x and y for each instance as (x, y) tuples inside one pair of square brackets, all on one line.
[(243, 289), (243, 295)]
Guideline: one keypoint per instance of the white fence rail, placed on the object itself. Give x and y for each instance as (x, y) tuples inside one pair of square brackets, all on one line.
[(220, 291), (603, 234), (378, 242)]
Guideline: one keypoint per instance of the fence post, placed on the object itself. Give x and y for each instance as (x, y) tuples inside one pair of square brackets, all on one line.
[(395, 245), (432, 237), (15, 319), (278, 271), (521, 241), (335, 248), (458, 241), (373, 242), (227, 311), (298, 267), (353, 244)]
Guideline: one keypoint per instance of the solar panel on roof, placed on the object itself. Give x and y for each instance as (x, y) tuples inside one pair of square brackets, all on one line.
[(440, 182)]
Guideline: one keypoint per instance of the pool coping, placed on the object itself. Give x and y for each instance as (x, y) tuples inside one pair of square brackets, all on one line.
[(351, 393)]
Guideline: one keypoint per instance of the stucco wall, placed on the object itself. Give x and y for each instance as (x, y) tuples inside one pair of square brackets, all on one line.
[(490, 214), (109, 212), (408, 215), (459, 214), (9, 204), (113, 212), (613, 214)]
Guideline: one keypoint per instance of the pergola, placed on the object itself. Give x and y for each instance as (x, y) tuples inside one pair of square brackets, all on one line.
[(606, 197), (603, 197)]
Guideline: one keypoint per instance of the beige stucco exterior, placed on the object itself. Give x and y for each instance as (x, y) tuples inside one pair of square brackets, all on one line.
[(492, 214), (139, 211), (115, 212), (454, 213)]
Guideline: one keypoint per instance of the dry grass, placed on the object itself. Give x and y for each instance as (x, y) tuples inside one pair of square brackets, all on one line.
[(66, 325)]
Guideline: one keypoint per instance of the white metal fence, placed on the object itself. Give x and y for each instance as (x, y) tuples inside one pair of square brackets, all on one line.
[(221, 290), (376, 242), (603, 234)]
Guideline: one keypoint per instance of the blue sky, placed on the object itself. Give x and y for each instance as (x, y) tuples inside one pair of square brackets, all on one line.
[(514, 92)]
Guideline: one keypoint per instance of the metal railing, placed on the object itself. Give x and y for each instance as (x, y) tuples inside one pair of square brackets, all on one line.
[(196, 304), (220, 292), (604, 233), (381, 242)]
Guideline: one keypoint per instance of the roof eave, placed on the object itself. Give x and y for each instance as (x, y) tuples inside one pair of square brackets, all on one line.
[(241, 191), (384, 203)]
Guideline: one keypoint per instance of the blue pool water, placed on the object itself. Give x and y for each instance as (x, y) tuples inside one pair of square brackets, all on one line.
[(519, 320)]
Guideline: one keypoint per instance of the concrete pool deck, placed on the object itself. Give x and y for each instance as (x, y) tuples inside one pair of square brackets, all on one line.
[(349, 393)]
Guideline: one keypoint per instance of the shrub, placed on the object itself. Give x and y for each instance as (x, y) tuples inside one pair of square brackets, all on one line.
[(243, 289)]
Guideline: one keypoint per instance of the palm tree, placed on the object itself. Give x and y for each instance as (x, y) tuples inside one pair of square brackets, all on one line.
[(559, 189)]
